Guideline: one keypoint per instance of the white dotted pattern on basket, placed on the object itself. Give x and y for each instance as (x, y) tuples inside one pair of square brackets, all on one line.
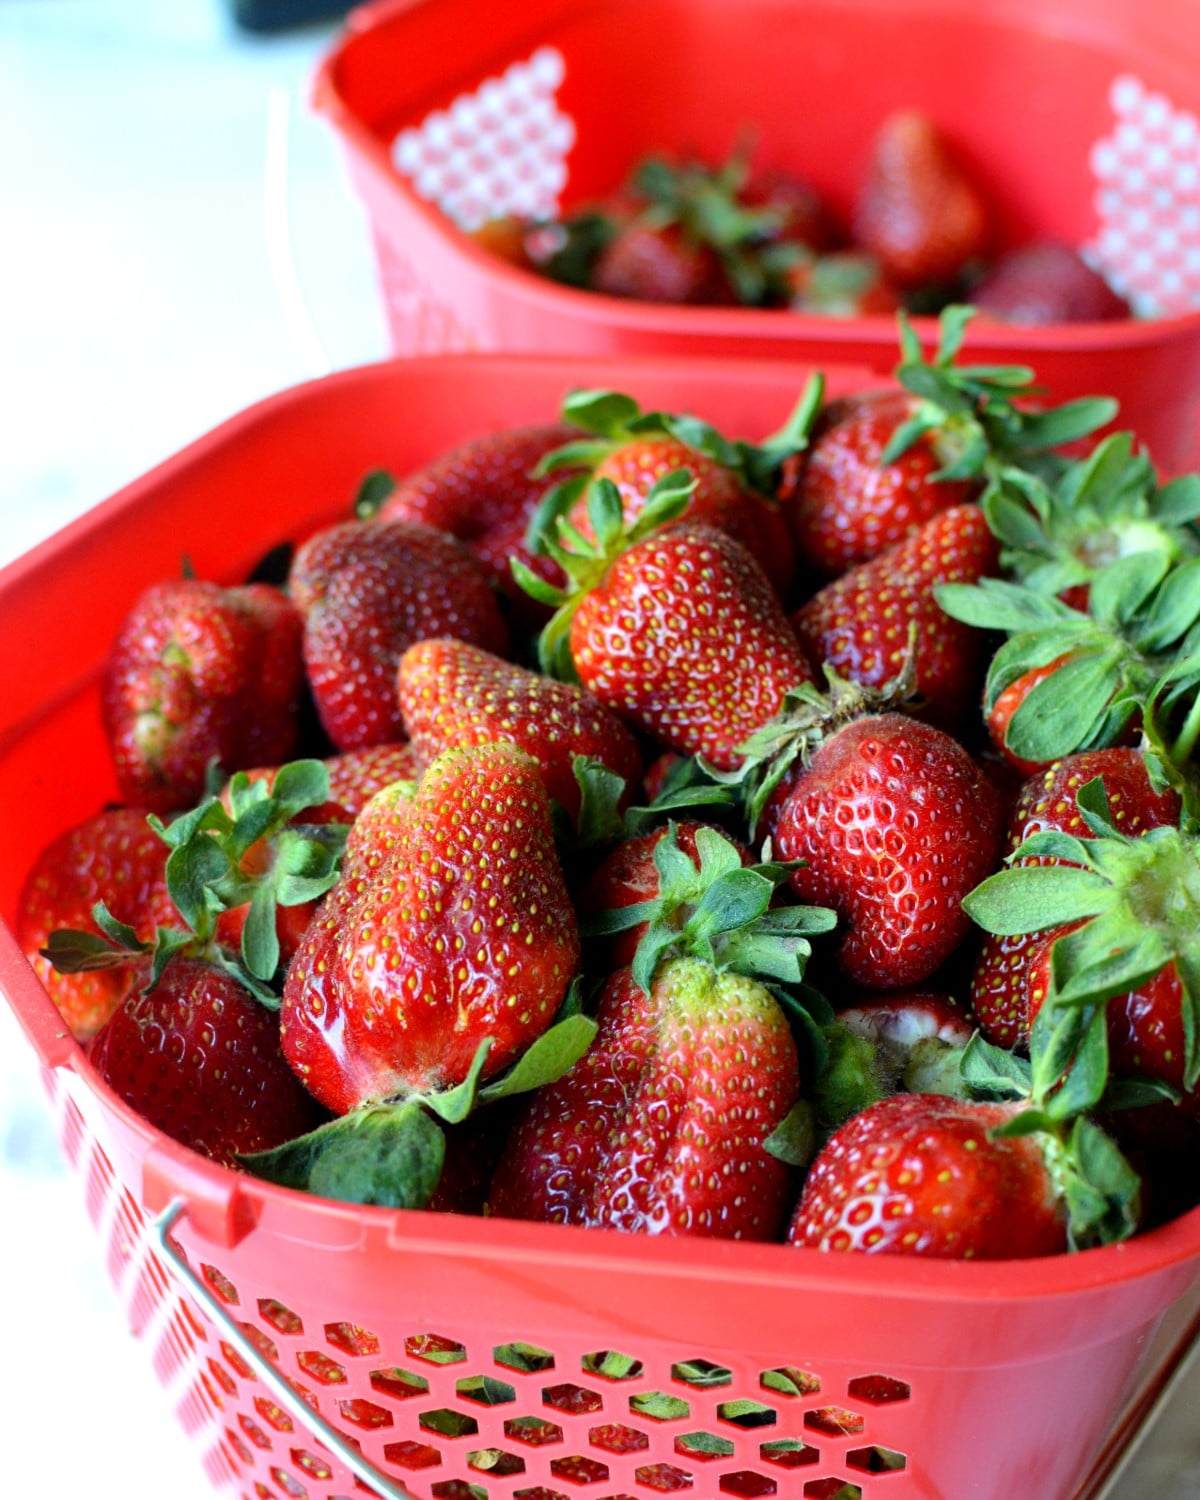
[(501, 150), (1147, 199)]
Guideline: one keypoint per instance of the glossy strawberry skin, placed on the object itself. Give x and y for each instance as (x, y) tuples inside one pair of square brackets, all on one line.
[(1046, 283), (649, 263), (368, 590), (918, 210), (917, 1174), (844, 505), (453, 694), (685, 637), (198, 673), (896, 823), (484, 492), (1047, 801), (115, 857), (463, 932), (860, 623), (659, 1128), (200, 1059), (720, 499)]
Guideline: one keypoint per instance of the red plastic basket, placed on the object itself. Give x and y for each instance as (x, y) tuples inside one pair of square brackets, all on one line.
[(465, 1357), (1079, 115)]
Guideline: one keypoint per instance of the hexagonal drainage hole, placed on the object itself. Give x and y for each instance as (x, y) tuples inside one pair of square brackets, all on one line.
[(663, 1477), (351, 1339), (789, 1453), (434, 1349), (575, 1400), (533, 1431), (747, 1414), (321, 1368), (360, 1412), (448, 1423), (282, 1319), (879, 1390), (703, 1446), (876, 1460), (790, 1381), (485, 1390), (615, 1437), (701, 1373), (611, 1364), (831, 1489), (458, 1489), (747, 1483), (579, 1470), (496, 1462), (835, 1421), (398, 1384), (526, 1359), (410, 1455)]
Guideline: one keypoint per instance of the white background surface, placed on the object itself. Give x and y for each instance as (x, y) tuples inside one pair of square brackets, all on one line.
[(146, 293)]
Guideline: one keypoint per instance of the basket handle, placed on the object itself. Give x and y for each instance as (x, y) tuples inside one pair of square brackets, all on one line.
[(281, 1389)]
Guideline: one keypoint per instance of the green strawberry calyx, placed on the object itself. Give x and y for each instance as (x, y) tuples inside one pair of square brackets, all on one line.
[(205, 877), (982, 417), (611, 419)]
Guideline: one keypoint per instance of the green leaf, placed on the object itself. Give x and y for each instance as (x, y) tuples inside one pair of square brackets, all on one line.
[(730, 902), (1058, 714), (991, 1072), (1175, 609), (1031, 898), (192, 869), (606, 413), (554, 1053), (1121, 588), (390, 1156), (376, 487), (794, 1139), (534, 584), (1103, 1191), (260, 941), (72, 951), (994, 604), (1060, 425), (1087, 1074), (454, 1104)]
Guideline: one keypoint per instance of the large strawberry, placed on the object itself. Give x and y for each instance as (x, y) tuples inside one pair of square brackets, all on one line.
[(894, 823), (455, 694), (866, 623), (113, 857), (1047, 803), (919, 209), (200, 673), (1046, 282), (464, 935), (199, 1057), (484, 492), (368, 589), (676, 628), (663, 1125), (734, 481)]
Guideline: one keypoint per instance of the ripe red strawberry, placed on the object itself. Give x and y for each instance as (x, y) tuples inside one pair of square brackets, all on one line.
[(659, 1128), (114, 857), (920, 1174), (661, 263), (999, 985), (464, 934), (454, 694), (484, 492), (798, 214), (368, 590), (895, 823), (199, 1057), (199, 673), (1046, 282), (861, 624), (683, 635), (844, 504), (918, 209)]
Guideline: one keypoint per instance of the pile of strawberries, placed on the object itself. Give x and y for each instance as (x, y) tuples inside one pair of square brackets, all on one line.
[(920, 231), (617, 823)]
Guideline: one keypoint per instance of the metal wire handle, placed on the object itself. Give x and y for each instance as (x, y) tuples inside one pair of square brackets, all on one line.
[(280, 1388)]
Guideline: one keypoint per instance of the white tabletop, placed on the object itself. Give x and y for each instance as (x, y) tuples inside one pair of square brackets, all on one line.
[(176, 241)]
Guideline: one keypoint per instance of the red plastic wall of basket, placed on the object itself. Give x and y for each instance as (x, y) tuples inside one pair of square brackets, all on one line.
[(1080, 116), (479, 1358)]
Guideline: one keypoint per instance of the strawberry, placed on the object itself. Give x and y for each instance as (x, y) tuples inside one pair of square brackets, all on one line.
[(200, 673), (922, 1174), (660, 1127), (845, 503), (894, 823), (368, 589), (663, 263), (113, 857), (464, 934), (1006, 704), (918, 209), (484, 492), (1046, 282), (454, 694), (733, 482), (863, 623), (799, 215), (199, 1057), (1047, 803)]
